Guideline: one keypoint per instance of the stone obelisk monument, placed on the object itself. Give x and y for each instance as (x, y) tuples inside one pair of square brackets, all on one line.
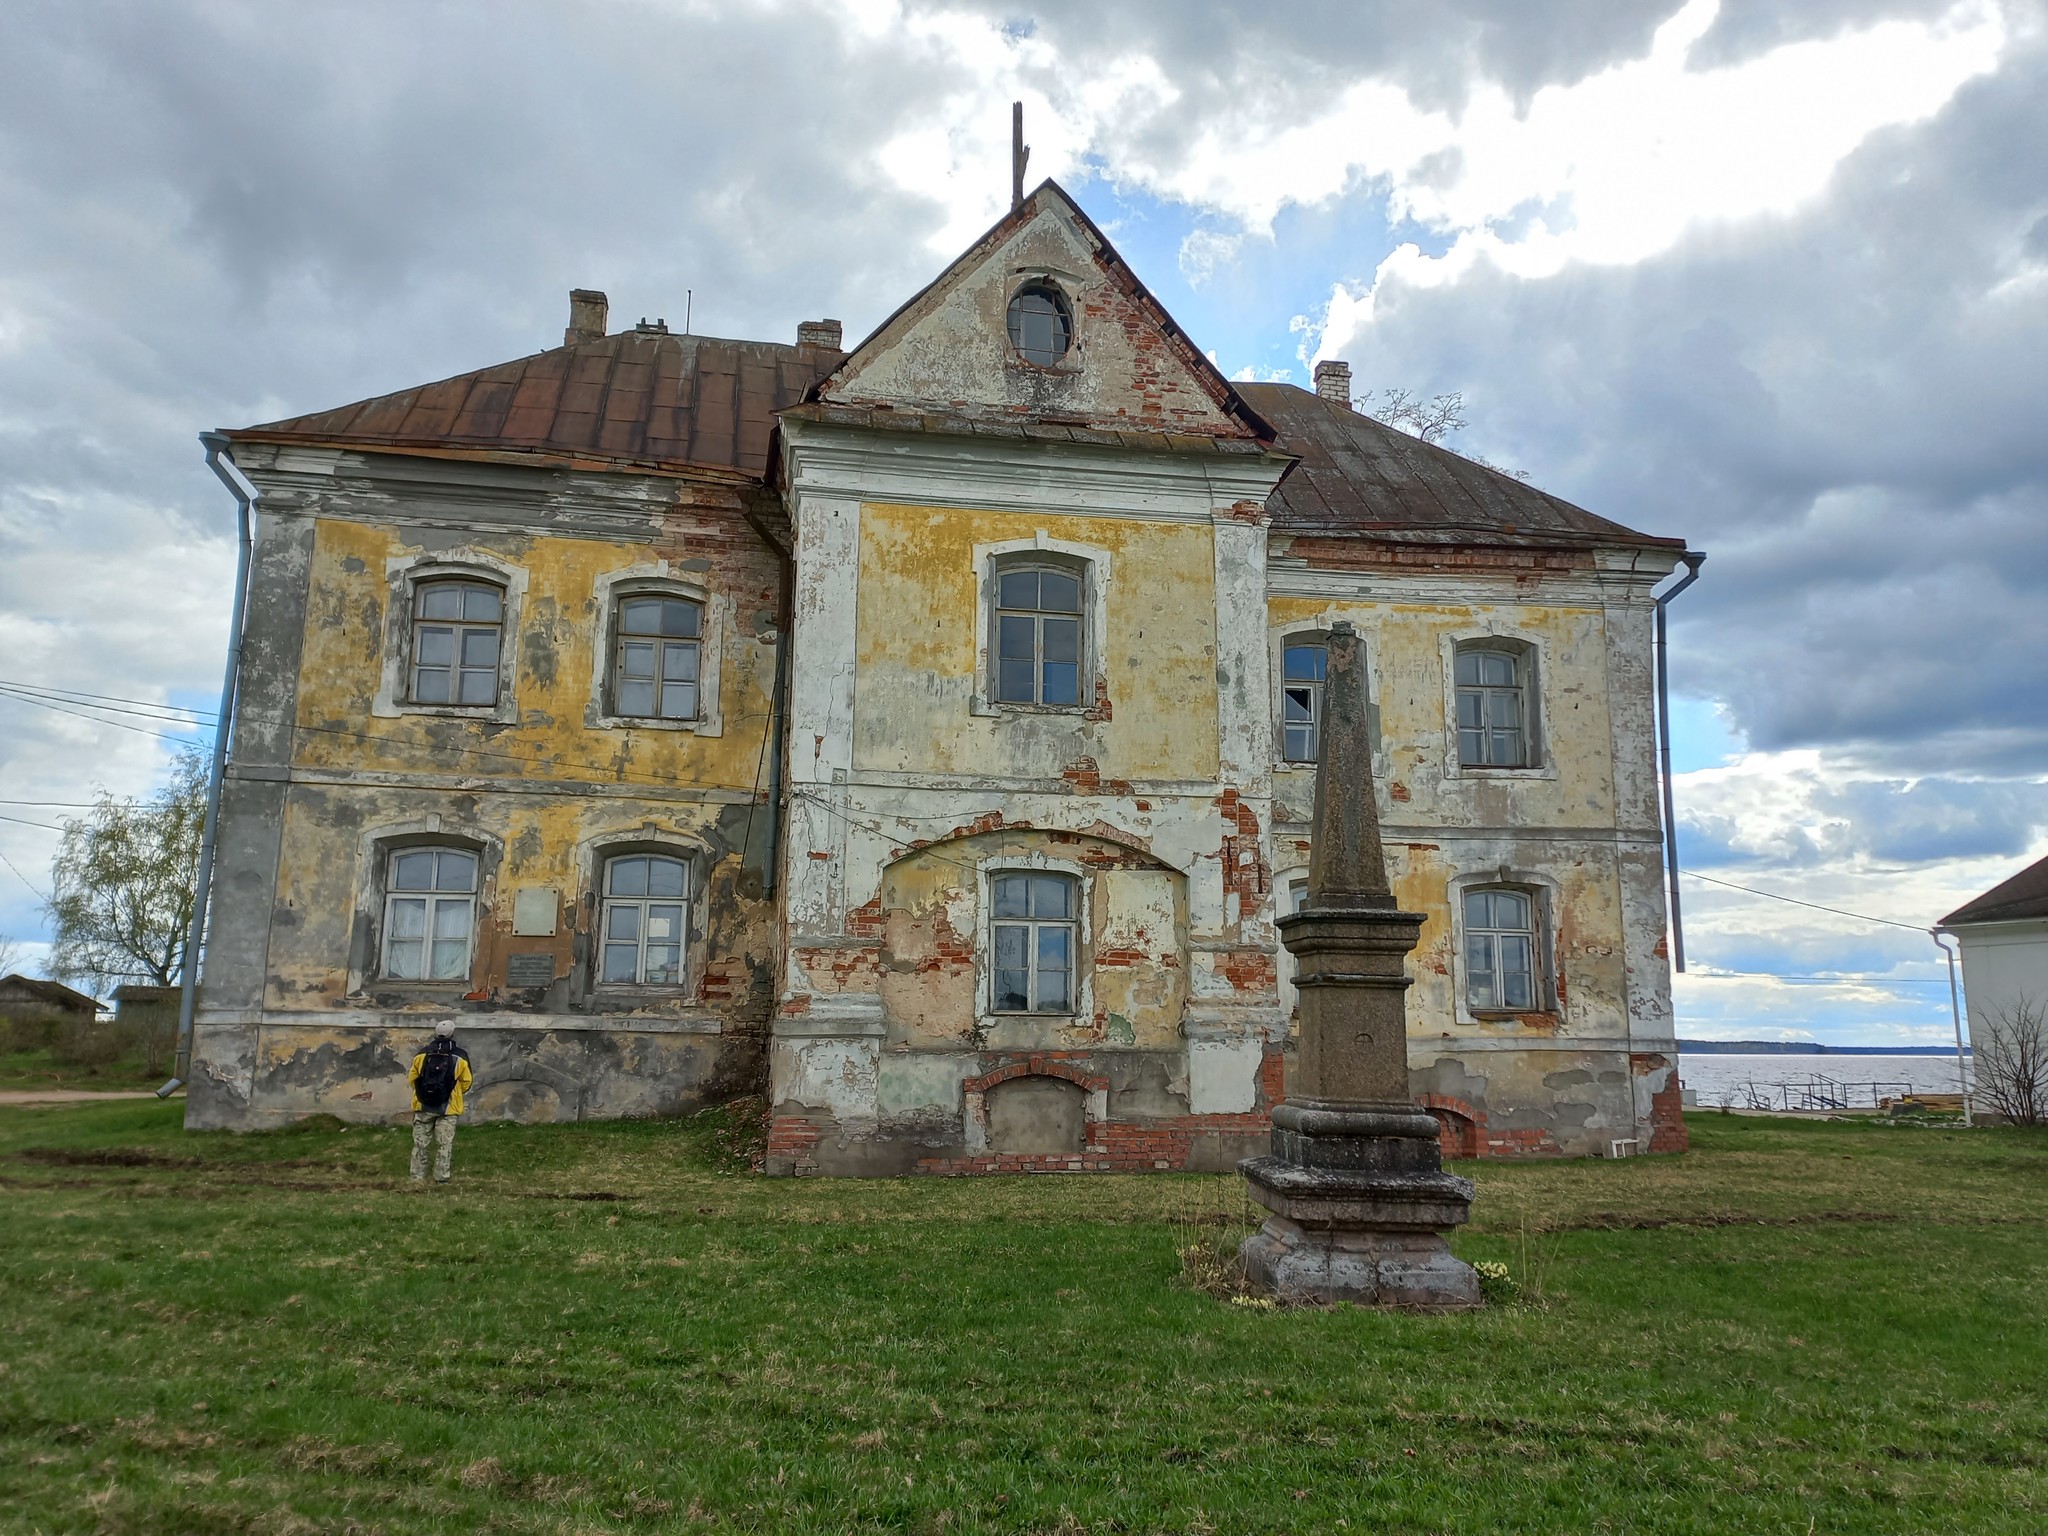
[(1358, 1195)]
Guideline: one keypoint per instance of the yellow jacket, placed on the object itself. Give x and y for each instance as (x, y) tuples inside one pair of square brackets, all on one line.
[(463, 1079)]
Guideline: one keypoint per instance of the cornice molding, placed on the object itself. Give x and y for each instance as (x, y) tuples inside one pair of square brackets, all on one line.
[(1009, 474)]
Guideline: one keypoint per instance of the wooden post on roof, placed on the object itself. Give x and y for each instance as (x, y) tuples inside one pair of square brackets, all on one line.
[(1020, 155)]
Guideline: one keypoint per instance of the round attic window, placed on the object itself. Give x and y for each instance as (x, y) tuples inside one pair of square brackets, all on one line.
[(1041, 324)]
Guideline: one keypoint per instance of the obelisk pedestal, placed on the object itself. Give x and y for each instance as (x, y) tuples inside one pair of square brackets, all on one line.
[(1355, 1185)]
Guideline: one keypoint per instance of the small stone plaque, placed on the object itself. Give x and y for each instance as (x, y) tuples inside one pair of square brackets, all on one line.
[(533, 912), (529, 970)]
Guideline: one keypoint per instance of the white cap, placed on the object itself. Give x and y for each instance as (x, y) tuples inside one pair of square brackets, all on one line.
[(445, 1027)]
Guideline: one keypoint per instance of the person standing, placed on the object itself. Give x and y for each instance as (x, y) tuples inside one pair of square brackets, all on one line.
[(440, 1076)]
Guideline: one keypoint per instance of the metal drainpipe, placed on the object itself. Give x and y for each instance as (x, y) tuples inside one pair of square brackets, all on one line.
[(1955, 1008), (1693, 561), (220, 461), (778, 725)]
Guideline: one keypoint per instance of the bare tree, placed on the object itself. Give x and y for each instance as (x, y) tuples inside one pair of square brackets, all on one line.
[(2010, 1050), (123, 883), (10, 955), (1432, 420)]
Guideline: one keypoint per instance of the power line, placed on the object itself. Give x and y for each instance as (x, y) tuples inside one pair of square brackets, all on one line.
[(39, 893), (1861, 917), (80, 695), (19, 822), (119, 725)]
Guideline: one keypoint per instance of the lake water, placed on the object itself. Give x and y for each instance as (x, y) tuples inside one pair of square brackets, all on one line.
[(1718, 1079)]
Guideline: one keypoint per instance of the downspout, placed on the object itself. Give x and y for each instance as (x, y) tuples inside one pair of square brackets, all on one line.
[(778, 708), (1955, 1008), (219, 459), (1693, 561)]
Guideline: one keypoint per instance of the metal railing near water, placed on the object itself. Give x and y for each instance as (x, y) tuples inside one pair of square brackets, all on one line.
[(1820, 1092)]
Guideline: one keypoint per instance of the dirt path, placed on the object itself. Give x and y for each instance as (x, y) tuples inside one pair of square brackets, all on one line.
[(66, 1095)]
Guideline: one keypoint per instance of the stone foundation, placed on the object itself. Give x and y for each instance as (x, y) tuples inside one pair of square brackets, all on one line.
[(249, 1076)]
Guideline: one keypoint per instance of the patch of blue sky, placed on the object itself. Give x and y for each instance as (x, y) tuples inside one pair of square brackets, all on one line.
[(1238, 294), (1701, 736)]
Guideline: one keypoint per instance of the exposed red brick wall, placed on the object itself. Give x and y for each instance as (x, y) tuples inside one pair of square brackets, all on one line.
[(1667, 1115)]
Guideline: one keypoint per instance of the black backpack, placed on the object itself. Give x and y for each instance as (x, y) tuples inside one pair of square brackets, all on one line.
[(436, 1083)]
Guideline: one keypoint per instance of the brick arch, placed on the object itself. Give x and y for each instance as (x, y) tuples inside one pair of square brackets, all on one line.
[(993, 825), (1460, 1125), (974, 1093), (1037, 1065)]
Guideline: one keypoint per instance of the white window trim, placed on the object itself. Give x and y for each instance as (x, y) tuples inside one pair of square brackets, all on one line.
[(591, 858), (657, 578), (1096, 590), (374, 848), (403, 576), (1544, 894), (1284, 882), (1535, 699), (688, 901), (986, 873), (1318, 628)]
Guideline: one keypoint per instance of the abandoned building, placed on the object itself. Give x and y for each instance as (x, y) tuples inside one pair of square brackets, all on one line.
[(922, 735)]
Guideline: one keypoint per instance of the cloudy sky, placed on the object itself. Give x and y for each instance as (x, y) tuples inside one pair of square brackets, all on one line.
[(1769, 274)]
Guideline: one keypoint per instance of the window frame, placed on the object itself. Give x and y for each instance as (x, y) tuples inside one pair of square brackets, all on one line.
[(1063, 305), (1034, 927), (610, 592), (1538, 890), (385, 847), (607, 901), (1319, 641), (1528, 652), (405, 576), (460, 628), (1020, 1030), (1038, 616), (619, 639), (1090, 565)]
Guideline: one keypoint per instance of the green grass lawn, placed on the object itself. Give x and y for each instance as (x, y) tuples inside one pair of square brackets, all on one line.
[(1799, 1328)]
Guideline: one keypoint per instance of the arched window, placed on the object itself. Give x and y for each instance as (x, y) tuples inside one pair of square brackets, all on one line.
[(657, 657), (1493, 707), (1037, 642), (645, 920), (1041, 324), (429, 914), (1034, 931), (457, 627), (1304, 661), (1501, 972)]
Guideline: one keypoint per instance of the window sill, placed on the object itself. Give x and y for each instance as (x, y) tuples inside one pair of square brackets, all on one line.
[(1492, 771), (1543, 1019), (502, 713), (698, 727), (985, 707)]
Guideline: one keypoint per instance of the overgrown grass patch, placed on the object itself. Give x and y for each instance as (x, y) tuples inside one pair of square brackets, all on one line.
[(1794, 1328)]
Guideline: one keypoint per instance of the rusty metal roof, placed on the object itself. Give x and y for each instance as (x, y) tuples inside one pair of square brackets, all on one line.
[(2025, 895), (1357, 476), (640, 399)]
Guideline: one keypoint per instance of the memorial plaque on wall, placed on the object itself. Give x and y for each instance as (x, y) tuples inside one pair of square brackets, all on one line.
[(529, 970)]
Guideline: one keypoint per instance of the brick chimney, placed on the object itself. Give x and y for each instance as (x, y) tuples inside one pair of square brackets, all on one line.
[(1333, 382), (818, 333), (587, 309)]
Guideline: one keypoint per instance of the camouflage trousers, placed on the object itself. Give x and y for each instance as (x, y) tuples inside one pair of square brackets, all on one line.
[(435, 1132)]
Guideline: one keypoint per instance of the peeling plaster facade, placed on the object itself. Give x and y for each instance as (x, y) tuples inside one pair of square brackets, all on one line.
[(333, 774), (841, 935)]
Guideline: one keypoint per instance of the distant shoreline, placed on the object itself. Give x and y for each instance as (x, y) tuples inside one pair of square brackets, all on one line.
[(1806, 1048)]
